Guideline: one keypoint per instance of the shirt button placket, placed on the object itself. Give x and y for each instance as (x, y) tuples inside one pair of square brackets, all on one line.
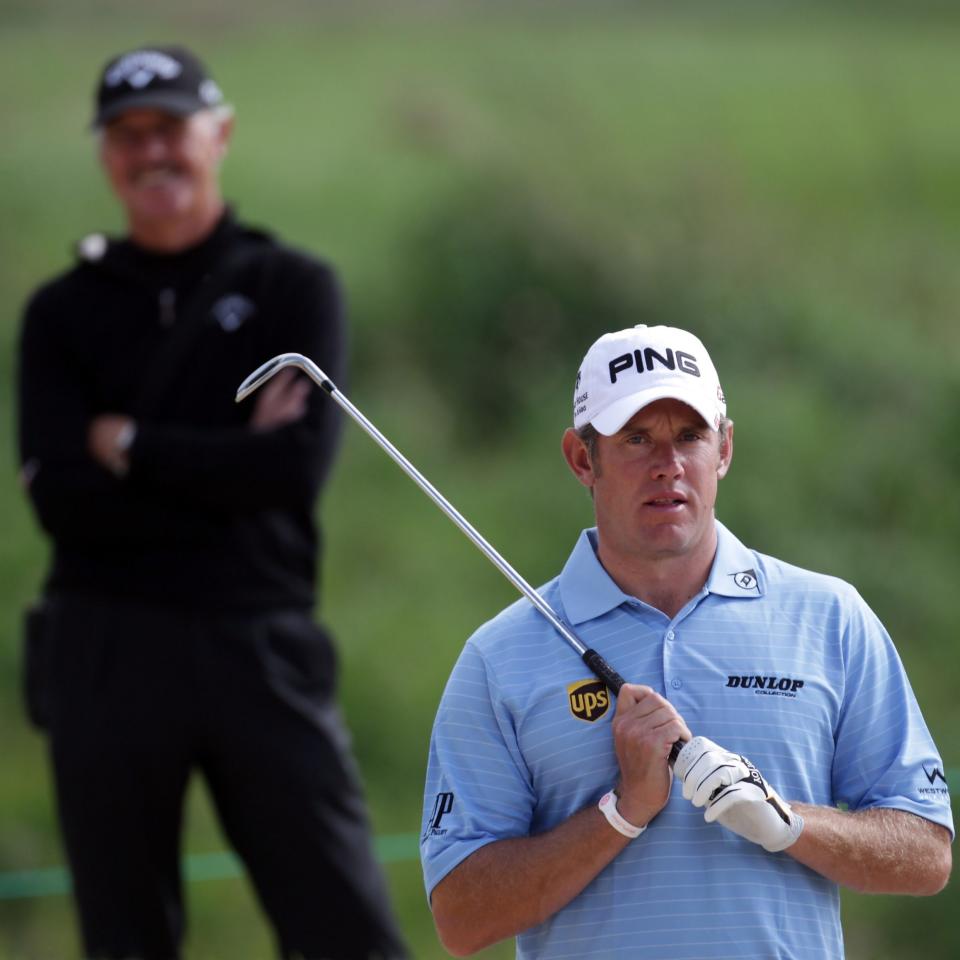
[(675, 683)]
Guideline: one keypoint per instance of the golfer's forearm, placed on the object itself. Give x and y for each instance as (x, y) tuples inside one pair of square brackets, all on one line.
[(511, 885), (874, 851)]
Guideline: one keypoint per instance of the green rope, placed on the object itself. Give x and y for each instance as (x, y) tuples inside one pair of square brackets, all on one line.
[(221, 865)]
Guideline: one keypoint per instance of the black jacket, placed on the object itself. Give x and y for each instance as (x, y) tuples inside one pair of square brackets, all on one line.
[(210, 514)]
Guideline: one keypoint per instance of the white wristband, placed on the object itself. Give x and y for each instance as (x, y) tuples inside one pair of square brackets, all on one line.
[(608, 807)]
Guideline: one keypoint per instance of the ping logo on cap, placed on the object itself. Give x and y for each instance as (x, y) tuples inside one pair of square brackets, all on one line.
[(589, 699), (644, 360), (627, 370)]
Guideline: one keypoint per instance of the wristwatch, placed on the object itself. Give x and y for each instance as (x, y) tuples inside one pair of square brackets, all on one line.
[(120, 462), (608, 807), (125, 436)]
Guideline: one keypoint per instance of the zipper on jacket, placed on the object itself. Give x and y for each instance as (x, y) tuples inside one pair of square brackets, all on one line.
[(167, 303)]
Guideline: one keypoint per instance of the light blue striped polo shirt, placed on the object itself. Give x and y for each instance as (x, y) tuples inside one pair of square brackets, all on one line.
[(788, 667)]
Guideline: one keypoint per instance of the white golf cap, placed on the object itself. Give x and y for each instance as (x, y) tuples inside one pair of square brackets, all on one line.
[(624, 371)]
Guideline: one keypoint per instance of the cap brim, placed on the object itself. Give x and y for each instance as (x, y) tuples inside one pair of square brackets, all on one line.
[(610, 420), (168, 101)]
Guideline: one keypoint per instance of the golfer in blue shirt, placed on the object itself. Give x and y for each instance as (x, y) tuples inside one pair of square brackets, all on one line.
[(551, 811)]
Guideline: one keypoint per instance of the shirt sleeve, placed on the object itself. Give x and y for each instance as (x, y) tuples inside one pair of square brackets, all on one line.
[(885, 756), (76, 500), (478, 788)]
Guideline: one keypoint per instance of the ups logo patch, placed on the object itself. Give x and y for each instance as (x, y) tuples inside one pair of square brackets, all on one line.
[(589, 699)]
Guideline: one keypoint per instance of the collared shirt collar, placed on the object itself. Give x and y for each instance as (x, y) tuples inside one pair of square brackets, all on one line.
[(588, 591)]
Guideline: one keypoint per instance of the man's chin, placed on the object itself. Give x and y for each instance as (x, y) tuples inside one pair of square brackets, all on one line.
[(669, 539), (152, 205)]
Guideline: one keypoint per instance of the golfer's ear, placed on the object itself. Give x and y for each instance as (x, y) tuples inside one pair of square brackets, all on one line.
[(577, 455), (224, 132)]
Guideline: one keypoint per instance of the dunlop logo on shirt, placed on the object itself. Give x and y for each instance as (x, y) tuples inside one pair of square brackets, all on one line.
[(589, 699)]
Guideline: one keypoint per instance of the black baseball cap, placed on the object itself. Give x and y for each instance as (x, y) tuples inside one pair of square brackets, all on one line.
[(171, 79)]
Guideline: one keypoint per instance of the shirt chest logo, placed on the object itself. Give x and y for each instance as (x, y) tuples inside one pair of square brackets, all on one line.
[(771, 686), (232, 311), (589, 699)]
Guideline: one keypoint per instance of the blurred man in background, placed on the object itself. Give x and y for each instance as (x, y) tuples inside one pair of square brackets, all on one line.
[(176, 628), (551, 815)]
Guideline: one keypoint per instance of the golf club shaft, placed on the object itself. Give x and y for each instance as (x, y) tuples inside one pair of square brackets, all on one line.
[(597, 664)]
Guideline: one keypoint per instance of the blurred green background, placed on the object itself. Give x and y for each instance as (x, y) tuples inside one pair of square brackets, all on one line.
[(499, 183)]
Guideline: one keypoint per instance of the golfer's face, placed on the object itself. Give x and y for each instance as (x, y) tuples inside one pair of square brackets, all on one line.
[(163, 167), (655, 483)]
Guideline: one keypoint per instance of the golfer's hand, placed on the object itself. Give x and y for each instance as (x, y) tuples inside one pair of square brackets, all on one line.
[(281, 401), (735, 794), (645, 727)]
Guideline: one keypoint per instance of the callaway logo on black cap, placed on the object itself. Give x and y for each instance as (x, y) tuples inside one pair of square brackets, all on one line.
[(171, 79)]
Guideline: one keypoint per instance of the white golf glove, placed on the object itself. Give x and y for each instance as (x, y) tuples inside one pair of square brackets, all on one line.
[(736, 795)]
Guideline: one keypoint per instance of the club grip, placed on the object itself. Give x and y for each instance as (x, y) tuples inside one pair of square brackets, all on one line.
[(603, 671)]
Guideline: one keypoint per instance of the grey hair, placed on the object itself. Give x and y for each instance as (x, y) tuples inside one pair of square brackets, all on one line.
[(223, 112)]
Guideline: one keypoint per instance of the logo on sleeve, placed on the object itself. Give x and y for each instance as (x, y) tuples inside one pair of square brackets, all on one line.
[(442, 805), (933, 775), (589, 699)]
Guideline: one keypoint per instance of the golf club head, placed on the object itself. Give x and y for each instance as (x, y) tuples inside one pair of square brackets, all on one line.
[(264, 372)]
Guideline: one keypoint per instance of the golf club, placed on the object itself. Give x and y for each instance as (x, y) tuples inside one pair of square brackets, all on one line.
[(597, 664)]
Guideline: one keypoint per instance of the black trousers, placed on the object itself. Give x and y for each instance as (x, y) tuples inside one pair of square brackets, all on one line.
[(138, 697)]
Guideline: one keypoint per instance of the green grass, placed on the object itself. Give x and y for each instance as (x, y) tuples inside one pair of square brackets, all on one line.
[(781, 178)]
